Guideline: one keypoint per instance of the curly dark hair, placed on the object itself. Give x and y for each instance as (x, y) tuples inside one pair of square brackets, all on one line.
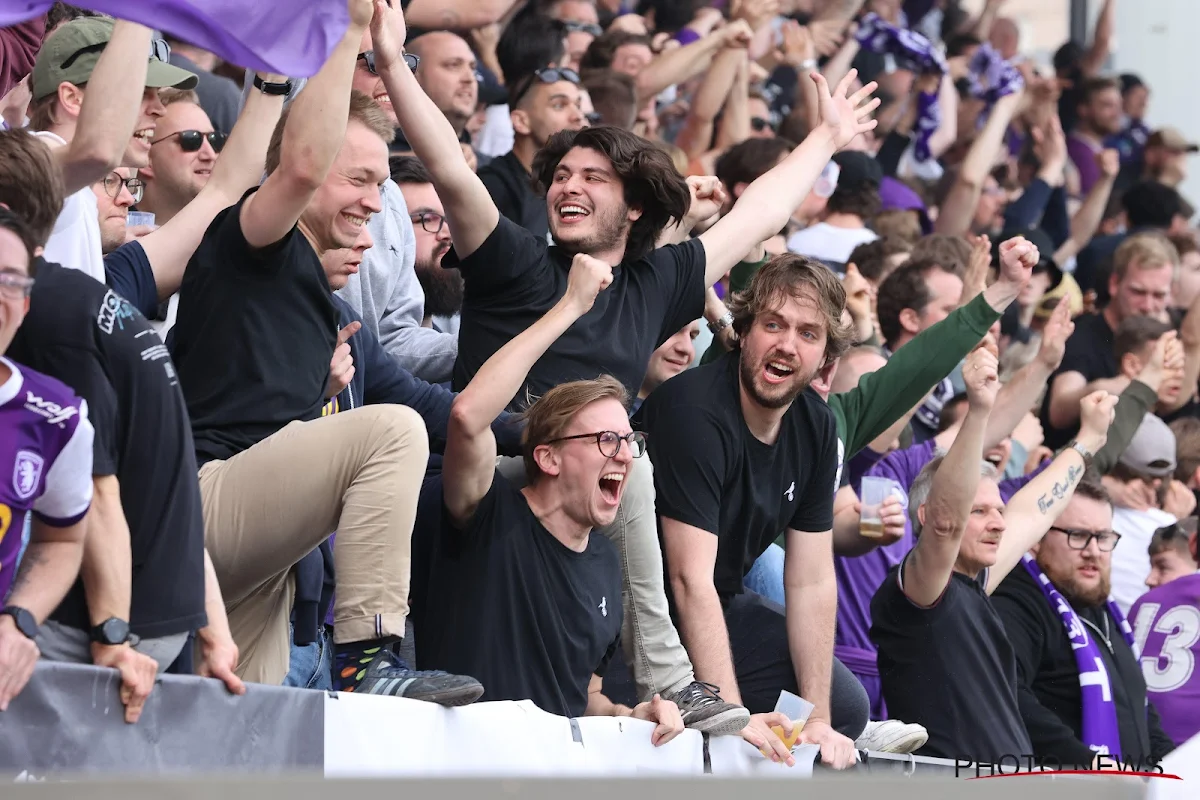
[(905, 288), (651, 182)]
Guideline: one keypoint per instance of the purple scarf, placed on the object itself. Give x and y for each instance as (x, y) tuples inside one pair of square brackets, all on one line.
[(991, 77), (1100, 731)]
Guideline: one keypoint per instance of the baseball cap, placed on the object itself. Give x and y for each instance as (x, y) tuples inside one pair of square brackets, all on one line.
[(71, 53), (1152, 451), (1172, 139), (858, 170)]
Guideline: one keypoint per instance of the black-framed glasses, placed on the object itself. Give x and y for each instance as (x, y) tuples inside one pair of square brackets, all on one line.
[(431, 221), (113, 183), (610, 442), (584, 27), (548, 75), (16, 287), (191, 141), (1079, 540), (159, 51), (411, 59)]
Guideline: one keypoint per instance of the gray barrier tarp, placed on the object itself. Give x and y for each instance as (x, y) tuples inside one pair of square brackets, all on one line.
[(70, 720)]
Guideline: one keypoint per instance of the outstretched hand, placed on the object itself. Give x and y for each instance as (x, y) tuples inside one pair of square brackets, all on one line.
[(845, 116), (387, 32), (1055, 335)]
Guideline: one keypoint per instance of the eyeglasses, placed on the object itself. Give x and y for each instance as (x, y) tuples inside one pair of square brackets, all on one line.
[(761, 124), (549, 75), (594, 118), (610, 443), (113, 183), (16, 287), (430, 221), (1079, 540), (191, 141), (159, 51), (584, 27), (368, 56)]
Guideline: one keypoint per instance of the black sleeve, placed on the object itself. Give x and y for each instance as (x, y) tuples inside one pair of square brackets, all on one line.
[(82, 371), (1027, 634), (493, 516), (891, 151), (1161, 745), (815, 512), (128, 273), (233, 251), (496, 269), (602, 667), (1081, 355), (690, 454), (498, 190), (680, 268)]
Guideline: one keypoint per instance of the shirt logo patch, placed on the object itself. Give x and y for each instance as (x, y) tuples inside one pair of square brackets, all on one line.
[(603, 606), (114, 310), (27, 473), (53, 412), (790, 494)]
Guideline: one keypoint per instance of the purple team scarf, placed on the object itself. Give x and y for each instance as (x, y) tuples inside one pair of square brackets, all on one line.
[(290, 38), (991, 77), (1100, 730)]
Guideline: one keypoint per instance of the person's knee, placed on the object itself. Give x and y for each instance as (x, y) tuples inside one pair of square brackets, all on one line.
[(395, 428), (851, 706)]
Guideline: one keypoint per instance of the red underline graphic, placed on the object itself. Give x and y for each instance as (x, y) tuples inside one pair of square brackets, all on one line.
[(1105, 772)]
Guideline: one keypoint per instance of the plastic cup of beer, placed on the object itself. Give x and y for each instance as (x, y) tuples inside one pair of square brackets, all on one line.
[(872, 494), (139, 218), (798, 710)]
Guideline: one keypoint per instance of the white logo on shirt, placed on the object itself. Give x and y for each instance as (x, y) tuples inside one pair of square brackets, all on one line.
[(53, 412), (790, 494), (603, 606), (27, 473)]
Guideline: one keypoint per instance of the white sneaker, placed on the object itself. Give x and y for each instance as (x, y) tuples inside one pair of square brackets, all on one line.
[(892, 736)]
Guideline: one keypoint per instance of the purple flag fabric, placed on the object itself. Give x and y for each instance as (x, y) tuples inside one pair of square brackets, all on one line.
[(1166, 623), (290, 37)]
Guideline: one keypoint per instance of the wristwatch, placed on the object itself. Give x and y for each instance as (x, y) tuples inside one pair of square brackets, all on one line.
[(721, 324), (114, 631), (1088, 456), (24, 620), (272, 88)]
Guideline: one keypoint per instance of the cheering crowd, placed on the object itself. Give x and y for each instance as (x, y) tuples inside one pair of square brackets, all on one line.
[(632, 359)]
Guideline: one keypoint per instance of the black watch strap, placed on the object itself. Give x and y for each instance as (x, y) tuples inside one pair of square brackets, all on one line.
[(24, 620), (113, 631), (272, 88)]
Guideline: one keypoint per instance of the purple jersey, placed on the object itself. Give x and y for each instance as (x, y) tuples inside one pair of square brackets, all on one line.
[(45, 459), (1166, 631)]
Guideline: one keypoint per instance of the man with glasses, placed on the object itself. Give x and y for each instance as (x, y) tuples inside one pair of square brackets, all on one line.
[(1080, 687), (182, 156), (115, 194), (93, 137), (542, 104), (518, 589), (443, 288)]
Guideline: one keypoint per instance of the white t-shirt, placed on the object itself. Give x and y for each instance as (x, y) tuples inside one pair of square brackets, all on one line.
[(497, 135), (1131, 558), (827, 243), (75, 241)]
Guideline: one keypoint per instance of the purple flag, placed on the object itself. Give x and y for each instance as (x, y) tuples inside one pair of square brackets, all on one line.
[(290, 37)]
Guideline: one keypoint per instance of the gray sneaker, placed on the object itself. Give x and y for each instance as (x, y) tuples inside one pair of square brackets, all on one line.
[(703, 710)]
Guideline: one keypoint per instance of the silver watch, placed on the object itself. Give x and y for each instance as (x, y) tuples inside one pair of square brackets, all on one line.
[(1088, 456), (721, 324)]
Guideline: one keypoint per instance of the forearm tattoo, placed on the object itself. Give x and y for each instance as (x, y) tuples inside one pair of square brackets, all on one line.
[(1060, 489)]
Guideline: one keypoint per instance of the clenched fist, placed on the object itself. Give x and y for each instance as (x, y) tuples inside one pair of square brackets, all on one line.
[(589, 276)]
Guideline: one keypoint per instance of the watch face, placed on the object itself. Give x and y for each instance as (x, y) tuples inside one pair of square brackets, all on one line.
[(115, 631)]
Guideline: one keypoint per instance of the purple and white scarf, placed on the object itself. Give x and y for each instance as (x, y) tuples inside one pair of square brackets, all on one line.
[(1100, 730), (991, 77)]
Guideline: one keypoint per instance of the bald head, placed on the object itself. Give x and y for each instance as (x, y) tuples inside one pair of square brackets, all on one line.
[(447, 73), (1005, 37), (852, 366)]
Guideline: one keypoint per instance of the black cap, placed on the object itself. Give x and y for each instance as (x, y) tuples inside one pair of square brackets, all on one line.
[(1129, 81), (858, 170)]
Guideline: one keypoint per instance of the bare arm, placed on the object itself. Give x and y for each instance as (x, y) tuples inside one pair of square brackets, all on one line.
[(240, 166), (1087, 219), (964, 195), (697, 133), (110, 108), (598, 705), (457, 15), (735, 124), (1096, 55), (681, 64), (107, 567), (49, 567), (691, 556), (312, 137), (810, 588), (1069, 389), (983, 25), (947, 132)]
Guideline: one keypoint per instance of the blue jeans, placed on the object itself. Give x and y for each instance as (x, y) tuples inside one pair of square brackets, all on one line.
[(311, 666), (766, 576)]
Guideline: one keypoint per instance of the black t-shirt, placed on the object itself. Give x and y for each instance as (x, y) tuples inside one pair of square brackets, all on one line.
[(512, 191), (253, 336), (712, 473), (128, 272), (514, 278), (1090, 353), (513, 607), (949, 668), (89, 337)]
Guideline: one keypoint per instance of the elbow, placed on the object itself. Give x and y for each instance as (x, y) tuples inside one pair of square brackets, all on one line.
[(690, 585), (96, 158), (464, 418)]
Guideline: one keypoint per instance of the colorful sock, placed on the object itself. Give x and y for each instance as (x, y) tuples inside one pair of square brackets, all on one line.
[(351, 660)]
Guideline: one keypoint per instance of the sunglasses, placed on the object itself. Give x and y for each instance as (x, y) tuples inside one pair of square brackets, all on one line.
[(113, 183), (761, 124), (159, 51), (549, 75), (369, 57), (191, 141), (583, 27)]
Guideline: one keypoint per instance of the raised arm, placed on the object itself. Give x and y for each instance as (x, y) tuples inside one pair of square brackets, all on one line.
[(1101, 46), (470, 457), (1020, 393), (457, 15), (110, 109), (469, 208), (951, 497), (964, 195), (312, 136), (684, 63), (240, 167), (1031, 511), (767, 204)]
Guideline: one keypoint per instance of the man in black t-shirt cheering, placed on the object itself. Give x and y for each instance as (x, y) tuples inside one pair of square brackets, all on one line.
[(521, 594), (253, 342), (745, 449), (945, 661), (610, 195)]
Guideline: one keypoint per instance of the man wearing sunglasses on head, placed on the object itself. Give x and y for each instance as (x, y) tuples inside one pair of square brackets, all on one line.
[(542, 104), (120, 68)]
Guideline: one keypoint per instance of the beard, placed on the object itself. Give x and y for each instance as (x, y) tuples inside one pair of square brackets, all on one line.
[(443, 287), (612, 230), (1070, 587), (779, 395)]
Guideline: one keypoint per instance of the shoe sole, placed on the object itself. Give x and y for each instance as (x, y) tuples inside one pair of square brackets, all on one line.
[(451, 698), (726, 723), (899, 743)]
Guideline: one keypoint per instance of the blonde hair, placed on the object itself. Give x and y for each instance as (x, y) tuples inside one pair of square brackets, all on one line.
[(550, 417), (170, 96), (363, 110), (1148, 250)]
